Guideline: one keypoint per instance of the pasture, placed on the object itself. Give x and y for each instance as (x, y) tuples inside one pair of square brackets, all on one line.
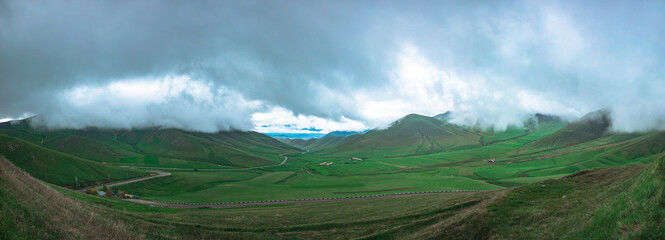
[(303, 176)]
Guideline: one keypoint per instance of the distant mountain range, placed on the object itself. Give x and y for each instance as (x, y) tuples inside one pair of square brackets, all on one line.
[(411, 135)]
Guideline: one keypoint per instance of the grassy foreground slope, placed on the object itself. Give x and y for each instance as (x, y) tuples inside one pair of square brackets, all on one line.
[(60, 168), (30, 209), (609, 203)]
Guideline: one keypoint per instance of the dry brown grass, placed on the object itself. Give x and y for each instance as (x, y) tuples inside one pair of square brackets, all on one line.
[(62, 217), (437, 230)]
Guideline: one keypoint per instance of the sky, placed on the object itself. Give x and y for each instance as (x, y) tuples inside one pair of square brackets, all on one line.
[(319, 66)]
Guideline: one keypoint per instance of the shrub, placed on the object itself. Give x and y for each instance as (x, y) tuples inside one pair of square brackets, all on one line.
[(91, 191)]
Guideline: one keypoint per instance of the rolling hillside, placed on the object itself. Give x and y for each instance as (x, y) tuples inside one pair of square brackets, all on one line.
[(413, 134), (59, 168), (593, 125), (155, 145)]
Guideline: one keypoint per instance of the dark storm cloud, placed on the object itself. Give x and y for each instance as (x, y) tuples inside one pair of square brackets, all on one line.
[(331, 59), (264, 49)]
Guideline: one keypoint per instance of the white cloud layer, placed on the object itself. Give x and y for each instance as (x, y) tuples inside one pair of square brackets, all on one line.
[(280, 120), (171, 101)]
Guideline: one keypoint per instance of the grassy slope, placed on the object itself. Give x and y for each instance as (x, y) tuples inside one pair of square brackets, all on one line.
[(413, 134), (457, 161), (610, 203), (59, 168), (591, 126), (170, 146), (29, 209)]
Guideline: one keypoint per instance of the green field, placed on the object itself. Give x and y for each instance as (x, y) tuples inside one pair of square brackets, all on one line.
[(528, 179), (321, 174), (618, 203)]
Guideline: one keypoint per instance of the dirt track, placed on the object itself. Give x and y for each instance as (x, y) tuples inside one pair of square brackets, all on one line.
[(113, 184)]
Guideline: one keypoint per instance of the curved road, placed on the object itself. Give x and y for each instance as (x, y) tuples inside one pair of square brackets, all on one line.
[(211, 169), (113, 184)]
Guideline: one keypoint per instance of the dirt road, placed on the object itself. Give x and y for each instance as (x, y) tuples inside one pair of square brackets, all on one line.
[(118, 183)]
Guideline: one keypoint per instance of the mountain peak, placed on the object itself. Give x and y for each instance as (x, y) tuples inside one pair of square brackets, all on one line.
[(444, 116)]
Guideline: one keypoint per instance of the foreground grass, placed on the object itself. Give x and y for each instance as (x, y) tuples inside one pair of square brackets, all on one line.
[(30, 209), (611, 203), (619, 202)]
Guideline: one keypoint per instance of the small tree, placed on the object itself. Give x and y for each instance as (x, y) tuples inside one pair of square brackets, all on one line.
[(107, 191), (120, 193)]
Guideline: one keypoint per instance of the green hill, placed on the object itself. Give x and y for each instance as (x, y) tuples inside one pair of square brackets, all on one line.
[(413, 134), (59, 168), (591, 126), (156, 146)]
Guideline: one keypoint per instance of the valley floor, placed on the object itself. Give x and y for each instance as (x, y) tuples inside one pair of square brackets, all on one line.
[(619, 202)]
